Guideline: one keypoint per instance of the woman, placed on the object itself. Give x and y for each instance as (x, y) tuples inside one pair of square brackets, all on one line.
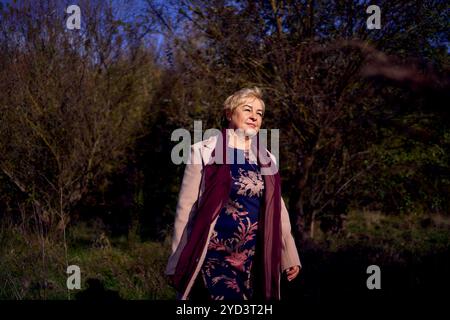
[(232, 236)]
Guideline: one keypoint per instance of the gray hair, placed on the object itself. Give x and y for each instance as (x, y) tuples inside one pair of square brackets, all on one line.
[(233, 101)]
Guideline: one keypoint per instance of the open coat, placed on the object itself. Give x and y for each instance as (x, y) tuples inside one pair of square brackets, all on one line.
[(192, 190)]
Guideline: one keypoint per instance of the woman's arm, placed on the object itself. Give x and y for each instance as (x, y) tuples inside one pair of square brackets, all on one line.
[(289, 252), (186, 199), (290, 260)]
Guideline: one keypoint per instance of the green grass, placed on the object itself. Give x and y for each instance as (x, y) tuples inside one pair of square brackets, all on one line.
[(391, 236), (30, 269)]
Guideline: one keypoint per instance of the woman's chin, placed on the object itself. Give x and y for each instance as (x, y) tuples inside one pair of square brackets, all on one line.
[(250, 132), (246, 132)]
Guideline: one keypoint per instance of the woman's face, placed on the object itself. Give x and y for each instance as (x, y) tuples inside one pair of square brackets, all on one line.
[(247, 116)]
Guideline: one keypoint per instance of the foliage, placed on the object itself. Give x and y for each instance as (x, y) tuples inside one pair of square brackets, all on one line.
[(86, 118), (31, 269)]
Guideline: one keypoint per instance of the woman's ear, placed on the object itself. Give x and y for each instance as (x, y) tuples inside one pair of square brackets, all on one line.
[(228, 115)]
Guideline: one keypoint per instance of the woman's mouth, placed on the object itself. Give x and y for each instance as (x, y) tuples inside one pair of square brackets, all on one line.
[(251, 125)]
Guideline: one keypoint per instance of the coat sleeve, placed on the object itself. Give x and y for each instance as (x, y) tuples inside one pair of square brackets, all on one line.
[(187, 197), (289, 252)]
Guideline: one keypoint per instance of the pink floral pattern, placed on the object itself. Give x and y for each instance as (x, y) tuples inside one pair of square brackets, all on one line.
[(226, 270), (250, 183)]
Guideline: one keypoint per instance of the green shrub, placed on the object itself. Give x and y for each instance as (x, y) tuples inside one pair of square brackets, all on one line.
[(32, 268)]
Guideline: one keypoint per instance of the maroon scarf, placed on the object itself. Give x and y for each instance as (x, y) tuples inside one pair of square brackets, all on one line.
[(218, 184)]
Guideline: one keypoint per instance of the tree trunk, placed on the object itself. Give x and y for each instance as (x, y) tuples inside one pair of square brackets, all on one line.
[(312, 224)]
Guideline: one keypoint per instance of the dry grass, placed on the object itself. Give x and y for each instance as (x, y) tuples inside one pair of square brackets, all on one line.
[(32, 268)]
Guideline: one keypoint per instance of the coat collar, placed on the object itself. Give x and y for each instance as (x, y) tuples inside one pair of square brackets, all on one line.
[(265, 156), (210, 143)]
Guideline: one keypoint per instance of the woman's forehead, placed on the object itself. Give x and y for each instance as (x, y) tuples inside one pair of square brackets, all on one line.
[(252, 102)]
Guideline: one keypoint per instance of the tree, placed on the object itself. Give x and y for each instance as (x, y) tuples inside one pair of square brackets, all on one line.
[(316, 61), (72, 103)]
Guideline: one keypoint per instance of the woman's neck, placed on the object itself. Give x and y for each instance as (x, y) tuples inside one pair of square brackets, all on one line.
[(238, 141)]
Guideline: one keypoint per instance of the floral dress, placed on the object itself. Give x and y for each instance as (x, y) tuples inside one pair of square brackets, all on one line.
[(226, 270)]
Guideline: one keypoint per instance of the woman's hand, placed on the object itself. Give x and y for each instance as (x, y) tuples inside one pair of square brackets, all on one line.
[(292, 272)]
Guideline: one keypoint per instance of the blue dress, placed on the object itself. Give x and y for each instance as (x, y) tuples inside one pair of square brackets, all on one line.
[(226, 271)]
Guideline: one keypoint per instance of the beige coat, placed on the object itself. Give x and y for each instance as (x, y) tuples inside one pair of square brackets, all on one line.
[(190, 195)]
